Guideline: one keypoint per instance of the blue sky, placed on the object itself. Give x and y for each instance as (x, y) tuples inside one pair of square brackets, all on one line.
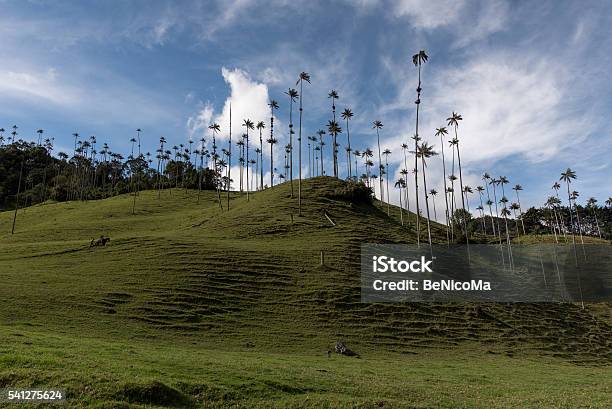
[(531, 79)]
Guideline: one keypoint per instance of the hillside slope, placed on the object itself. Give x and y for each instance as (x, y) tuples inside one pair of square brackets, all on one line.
[(249, 278)]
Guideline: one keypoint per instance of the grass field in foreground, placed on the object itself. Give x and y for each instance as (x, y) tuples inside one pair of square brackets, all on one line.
[(191, 305), (115, 374)]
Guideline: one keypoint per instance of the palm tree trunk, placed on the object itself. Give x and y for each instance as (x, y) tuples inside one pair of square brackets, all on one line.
[(407, 199), (290, 144), (467, 238), (447, 219), (300, 154), (388, 201), (426, 201), (229, 159), (497, 214), (261, 160), (348, 136), (271, 167), (401, 208)]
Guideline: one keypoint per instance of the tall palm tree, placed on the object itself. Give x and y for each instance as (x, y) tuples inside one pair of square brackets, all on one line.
[(592, 204), (401, 184), (356, 154), (426, 151), (567, 177), (404, 173), (480, 191), (442, 132), (418, 60), (387, 152), (321, 132), (453, 121), (556, 186), (407, 199), (260, 127), (467, 190), (333, 94), (575, 198), (273, 105), (249, 125), (304, 76), (486, 177), (40, 133), (293, 96), (367, 154), (215, 127), (433, 193), (514, 207), (550, 203), (334, 129), (347, 115), (505, 213), (229, 160), (494, 182), (517, 188), (378, 125)]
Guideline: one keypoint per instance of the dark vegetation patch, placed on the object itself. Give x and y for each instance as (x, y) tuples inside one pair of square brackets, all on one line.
[(153, 393)]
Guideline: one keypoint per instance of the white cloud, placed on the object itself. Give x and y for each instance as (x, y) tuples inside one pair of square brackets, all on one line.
[(40, 85), (429, 14)]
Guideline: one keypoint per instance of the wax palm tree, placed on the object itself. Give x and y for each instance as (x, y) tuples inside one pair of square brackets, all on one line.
[(333, 129), (467, 190), (333, 95), (272, 142), (505, 213), (487, 178), (321, 132), (273, 105), (378, 125), (401, 184), (453, 121), (356, 154), (556, 186), (517, 188), (550, 203), (293, 96), (480, 191), (433, 193), (592, 204), (494, 182), (387, 152), (426, 151), (442, 132), (567, 177), (575, 198), (260, 127), (367, 154), (311, 163), (348, 160), (453, 205), (304, 76), (514, 207), (347, 115), (40, 133), (249, 125), (404, 173), (418, 60)]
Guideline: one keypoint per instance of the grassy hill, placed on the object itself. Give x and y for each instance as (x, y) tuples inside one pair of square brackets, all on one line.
[(193, 305)]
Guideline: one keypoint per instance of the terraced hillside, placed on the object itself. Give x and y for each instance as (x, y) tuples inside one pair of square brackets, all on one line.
[(183, 272)]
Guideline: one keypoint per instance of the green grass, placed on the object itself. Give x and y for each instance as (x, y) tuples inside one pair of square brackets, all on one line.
[(191, 305)]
